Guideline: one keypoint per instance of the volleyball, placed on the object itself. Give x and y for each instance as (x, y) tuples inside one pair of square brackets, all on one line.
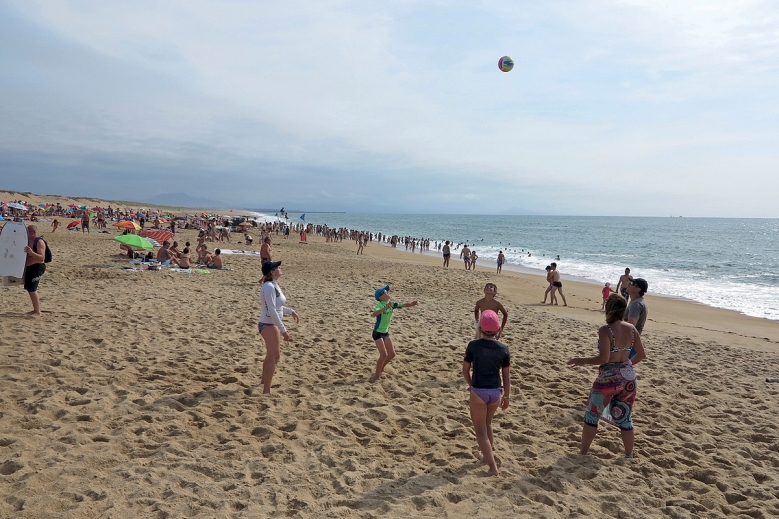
[(505, 64)]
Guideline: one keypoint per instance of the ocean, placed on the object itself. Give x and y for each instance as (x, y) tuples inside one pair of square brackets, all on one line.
[(729, 263)]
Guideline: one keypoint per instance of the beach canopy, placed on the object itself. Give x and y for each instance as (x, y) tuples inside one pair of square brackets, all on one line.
[(157, 235), (134, 241)]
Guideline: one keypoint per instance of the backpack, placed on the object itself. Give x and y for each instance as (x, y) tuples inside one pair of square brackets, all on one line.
[(46, 255)]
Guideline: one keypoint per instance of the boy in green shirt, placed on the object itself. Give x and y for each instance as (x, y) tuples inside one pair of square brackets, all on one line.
[(383, 314)]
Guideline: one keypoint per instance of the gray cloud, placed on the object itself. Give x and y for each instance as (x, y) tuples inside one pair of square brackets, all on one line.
[(326, 106)]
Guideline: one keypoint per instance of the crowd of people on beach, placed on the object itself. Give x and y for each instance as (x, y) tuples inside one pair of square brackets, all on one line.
[(486, 366)]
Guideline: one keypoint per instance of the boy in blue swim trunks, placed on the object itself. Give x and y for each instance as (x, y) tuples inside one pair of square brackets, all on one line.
[(383, 314)]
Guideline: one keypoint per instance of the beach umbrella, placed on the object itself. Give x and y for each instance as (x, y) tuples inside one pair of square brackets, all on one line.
[(17, 206), (157, 235), (134, 241), (74, 206), (41, 205), (127, 224), (162, 220), (74, 223), (83, 207)]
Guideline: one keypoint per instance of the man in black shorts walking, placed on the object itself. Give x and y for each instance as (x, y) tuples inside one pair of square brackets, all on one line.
[(557, 285), (34, 268)]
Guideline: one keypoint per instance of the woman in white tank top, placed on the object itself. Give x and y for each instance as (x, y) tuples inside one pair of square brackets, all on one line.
[(270, 325)]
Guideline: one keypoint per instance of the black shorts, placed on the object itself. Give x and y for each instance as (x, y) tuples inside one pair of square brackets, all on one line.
[(32, 276), (558, 284), (377, 335)]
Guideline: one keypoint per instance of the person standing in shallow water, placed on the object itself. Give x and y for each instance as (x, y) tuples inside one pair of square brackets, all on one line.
[(485, 364)]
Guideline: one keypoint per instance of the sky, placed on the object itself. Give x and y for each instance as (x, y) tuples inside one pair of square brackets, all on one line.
[(633, 107)]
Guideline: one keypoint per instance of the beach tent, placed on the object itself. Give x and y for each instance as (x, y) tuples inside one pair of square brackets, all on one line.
[(157, 235)]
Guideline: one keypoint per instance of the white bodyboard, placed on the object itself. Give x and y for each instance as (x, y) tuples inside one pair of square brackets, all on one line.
[(13, 240)]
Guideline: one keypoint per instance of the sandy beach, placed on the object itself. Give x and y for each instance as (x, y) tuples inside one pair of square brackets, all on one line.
[(137, 395)]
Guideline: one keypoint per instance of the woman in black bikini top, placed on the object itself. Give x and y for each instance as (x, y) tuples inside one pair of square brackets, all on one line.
[(614, 390)]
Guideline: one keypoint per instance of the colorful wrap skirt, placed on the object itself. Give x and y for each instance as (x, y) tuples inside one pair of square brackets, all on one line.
[(612, 396)]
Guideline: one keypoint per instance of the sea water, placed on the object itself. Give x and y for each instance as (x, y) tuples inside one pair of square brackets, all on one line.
[(727, 263)]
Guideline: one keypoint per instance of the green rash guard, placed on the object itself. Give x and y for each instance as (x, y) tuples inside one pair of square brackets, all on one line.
[(384, 318)]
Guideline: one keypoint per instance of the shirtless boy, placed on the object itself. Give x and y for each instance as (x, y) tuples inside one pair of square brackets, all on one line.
[(550, 287), (488, 302), (216, 260), (184, 260), (265, 253), (501, 260)]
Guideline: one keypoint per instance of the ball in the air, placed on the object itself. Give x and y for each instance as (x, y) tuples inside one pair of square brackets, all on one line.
[(505, 64)]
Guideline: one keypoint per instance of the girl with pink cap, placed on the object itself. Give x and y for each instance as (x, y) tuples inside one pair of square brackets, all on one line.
[(486, 362)]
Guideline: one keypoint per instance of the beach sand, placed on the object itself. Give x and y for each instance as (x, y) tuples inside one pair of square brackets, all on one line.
[(137, 395)]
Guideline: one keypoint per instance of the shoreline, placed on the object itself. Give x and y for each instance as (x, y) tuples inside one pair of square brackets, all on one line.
[(580, 280), (682, 316)]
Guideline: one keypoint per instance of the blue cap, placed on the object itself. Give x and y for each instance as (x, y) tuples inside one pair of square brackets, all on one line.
[(380, 291)]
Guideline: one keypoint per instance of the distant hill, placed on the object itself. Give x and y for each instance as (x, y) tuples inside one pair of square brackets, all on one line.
[(184, 200), (519, 211)]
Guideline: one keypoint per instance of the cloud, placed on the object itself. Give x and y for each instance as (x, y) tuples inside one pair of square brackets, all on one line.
[(405, 96)]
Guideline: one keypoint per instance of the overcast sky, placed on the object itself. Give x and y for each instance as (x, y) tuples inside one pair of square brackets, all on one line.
[(613, 107)]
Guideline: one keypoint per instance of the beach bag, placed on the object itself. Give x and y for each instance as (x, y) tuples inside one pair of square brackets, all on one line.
[(46, 255)]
